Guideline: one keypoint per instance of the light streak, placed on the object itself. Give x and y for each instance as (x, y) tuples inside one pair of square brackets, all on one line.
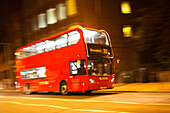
[(90, 101), (59, 107)]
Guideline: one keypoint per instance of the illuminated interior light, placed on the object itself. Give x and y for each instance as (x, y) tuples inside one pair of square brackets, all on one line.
[(125, 7)]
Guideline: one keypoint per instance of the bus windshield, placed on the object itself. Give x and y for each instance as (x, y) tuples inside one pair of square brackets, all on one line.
[(95, 37), (100, 67)]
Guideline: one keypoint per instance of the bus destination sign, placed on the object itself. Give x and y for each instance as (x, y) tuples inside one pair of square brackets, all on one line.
[(99, 50)]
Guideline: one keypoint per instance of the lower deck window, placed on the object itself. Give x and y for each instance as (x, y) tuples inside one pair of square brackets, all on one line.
[(100, 67), (33, 73), (78, 67)]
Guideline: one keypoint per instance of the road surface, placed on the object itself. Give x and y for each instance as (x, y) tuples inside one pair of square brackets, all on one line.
[(97, 102)]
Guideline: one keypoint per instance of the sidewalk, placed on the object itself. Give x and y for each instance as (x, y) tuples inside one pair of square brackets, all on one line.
[(141, 87), (9, 89), (156, 87)]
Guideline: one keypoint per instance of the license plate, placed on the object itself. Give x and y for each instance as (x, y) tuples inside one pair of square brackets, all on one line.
[(103, 87)]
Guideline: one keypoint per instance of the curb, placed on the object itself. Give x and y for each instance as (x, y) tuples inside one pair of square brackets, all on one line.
[(134, 91), (100, 91)]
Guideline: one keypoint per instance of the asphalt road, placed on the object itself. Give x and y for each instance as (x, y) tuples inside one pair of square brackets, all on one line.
[(98, 102)]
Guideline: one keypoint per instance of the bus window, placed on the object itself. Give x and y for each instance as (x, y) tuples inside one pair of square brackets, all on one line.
[(100, 67), (78, 67), (40, 47), (73, 37), (49, 45), (33, 73), (95, 37), (61, 41)]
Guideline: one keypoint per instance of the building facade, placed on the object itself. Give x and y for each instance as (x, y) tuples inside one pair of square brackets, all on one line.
[(36, 19)]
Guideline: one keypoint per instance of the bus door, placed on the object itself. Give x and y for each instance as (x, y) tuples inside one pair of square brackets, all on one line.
[(77, 74)]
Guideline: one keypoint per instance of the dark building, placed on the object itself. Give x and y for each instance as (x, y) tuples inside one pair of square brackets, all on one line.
[(36, 19)]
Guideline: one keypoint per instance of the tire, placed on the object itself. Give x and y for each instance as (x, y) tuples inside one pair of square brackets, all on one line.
[(64, 88), (88, 92), (27, 89)]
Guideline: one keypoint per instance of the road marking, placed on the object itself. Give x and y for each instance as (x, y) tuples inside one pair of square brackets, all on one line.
[(58, 99), (19, 103), (60, 107), (92, 101), (94, 110), (158, 104)]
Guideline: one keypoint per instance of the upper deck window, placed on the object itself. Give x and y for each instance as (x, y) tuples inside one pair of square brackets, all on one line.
[(95, 37), (49, 45), (73, 37)]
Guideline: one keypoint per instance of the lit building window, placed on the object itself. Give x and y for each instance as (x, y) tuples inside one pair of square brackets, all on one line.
[(61, 11), (34, 24), (127, 31), (51, 16), (125, 7), (42, 20), (71, 7)]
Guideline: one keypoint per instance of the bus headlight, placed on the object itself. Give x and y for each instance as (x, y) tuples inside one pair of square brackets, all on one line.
[(91, 80), (112, 79), (17, 85)]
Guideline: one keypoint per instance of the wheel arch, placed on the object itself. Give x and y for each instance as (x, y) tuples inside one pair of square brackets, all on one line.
[(61, 82), (27, 87)]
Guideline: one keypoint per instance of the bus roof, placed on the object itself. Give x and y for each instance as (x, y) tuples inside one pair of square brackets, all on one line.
[(76, 27)]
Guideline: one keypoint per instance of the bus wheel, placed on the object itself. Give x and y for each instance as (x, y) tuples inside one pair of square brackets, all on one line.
[(27, 89), (88, 92), (64, 88)]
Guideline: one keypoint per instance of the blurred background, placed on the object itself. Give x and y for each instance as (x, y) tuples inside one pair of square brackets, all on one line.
[(139, 31)]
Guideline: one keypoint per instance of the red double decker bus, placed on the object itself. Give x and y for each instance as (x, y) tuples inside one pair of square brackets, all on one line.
[(79, 59)]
